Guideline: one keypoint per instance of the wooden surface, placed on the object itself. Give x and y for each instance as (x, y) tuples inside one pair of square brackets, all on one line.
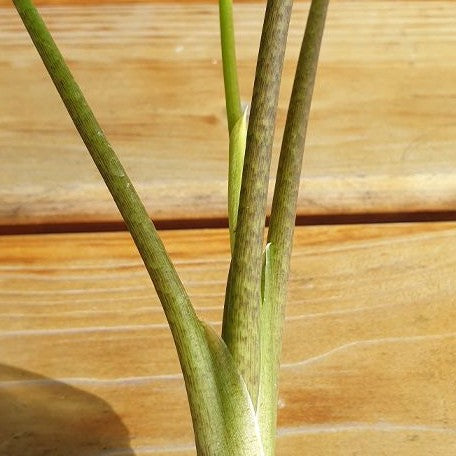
[(87, 364), (381, 138)]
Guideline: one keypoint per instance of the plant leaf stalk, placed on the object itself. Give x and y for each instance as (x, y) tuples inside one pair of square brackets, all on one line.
[(238, 136), (223, 415), (230, 77), (163, 274), (240, 329), (282, 221), (237, 120)]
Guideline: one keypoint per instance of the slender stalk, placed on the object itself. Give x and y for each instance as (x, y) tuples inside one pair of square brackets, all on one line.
[(237, 120), (232, 98), (161, 270), (283, 214), (241, 313)]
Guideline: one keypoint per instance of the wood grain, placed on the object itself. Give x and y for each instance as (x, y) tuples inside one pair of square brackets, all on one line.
[(135, 2), (381, 136), (369, 353)]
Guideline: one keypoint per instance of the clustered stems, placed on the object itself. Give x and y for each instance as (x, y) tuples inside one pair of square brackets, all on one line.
[(220, 426), (232, 384), (243, 295)]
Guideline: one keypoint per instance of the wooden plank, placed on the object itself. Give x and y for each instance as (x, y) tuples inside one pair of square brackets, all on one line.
[(381, 137), (135, 2), (87, 362)]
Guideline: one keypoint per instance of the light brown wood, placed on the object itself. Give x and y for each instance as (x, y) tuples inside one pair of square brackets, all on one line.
[(87, 361), (135, 2), (381, 137)]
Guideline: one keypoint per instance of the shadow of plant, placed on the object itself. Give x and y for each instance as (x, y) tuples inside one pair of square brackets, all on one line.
[(40, 416)]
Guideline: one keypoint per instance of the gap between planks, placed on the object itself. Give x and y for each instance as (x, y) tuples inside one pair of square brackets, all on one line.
[(216, 222)]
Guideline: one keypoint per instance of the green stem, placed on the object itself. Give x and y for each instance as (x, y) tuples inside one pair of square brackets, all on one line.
[(161, 270), (241, 313), (237, 121), (232, 98), (283, 212)]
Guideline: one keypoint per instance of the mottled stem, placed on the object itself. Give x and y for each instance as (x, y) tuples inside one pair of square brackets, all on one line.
[(283, 215), (241, 314)]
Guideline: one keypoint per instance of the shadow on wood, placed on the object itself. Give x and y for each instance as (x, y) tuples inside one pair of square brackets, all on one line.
[(41, 416)]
